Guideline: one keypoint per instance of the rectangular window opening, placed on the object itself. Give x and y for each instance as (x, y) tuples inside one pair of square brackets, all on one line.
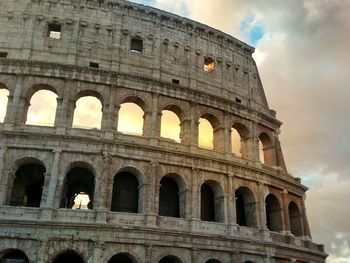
[(209, 64), (175, 81), (3, 54), (93, 65), (136, 45), (54, 30)]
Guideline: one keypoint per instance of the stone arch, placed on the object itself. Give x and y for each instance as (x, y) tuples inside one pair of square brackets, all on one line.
[(273, 213), (212, 260), (212, 201), (179, 126), (84, 102), (123, 257), (27, 182), (268, 149), (170, 259), (243, 133), (13, 254), (172, 196), (68, 256), (131, 115), (4, 94), (78, 182), (131, 179), (246, 207), (49, 106), (295, 219)]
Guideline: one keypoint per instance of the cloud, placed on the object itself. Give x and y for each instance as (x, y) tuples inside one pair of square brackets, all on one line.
[(303, 58)]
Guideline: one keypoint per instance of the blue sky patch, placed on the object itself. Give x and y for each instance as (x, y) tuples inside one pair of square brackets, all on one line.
[(253, 30)]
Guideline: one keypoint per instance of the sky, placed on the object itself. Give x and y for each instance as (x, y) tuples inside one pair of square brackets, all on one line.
[(303, 56)]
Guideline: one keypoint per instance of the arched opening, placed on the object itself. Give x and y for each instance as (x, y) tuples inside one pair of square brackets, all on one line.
[(236, 142), (68, 257), (170, 126), (169, 198), (212, 202), (13, 256), (239, 136), (130, 119), (78, 189), (267, 152), (42, 108), (4, 93), (170, 259), (205, 134), (28, 185), (295, 219), (273, 213), (87, 113), (125, 195), (245, 207), (212, 261), (122, 258)]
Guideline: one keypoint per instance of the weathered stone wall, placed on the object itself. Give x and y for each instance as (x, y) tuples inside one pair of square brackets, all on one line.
[(174, 48)]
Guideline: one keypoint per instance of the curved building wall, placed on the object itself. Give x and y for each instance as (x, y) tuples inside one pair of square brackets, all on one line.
[(229, 208)]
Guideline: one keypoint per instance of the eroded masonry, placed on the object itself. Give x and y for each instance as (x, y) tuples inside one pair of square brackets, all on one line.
[(103, 194)]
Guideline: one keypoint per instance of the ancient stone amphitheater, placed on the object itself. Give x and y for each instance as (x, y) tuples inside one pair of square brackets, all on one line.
[(152, 199)]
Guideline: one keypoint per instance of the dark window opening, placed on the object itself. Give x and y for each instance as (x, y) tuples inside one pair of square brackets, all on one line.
[(169, 198), (273, 213), (240, 211), (28, 186), (78, 190), (68, 256), (136, 45), (3, 54), (93, 65), (238, 100), (170, 259), (175, 81), (54, 30), (121, 258), (125, 193), (14, 256), (209, 64), (295, 219), (207, 203)]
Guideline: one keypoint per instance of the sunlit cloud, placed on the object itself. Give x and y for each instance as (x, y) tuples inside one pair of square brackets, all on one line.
[(3, 103), (42, 109), (88, 113), (205, 134), (130, 119)]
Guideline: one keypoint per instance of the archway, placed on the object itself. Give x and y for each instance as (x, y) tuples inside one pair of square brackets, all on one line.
[(125, 193), (69, 256), (130, 119), (122, 258), (4, 93), (28, 185), (295, 219), (13, 256), (170, 126), (212, 202), (78, 189), (87, 113), (169, 198), (245, 207), (273, 213), (170, 259)]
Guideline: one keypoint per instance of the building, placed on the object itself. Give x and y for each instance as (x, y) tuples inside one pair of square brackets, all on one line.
[(149, 198)]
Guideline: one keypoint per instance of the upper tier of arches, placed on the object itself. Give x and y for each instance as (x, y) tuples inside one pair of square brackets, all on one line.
[(143, 114)]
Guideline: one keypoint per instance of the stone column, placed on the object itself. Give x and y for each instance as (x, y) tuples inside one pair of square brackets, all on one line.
[(254, 147), (3, 184), (219, 138), (185, 132), (148, 254), (194, 255), (286, 225), (42, 253), (96, 252), (227, 135), (61, 118), (306, 228), (151, 213), (13, 108), (53, 178), (196, 205), (231, 206), (261, 207), (71, 104)]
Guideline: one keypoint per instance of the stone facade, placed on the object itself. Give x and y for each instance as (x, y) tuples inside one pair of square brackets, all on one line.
[(259, 213)]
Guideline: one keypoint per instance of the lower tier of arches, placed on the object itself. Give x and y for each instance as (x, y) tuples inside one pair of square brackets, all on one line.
[(41, 242)]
